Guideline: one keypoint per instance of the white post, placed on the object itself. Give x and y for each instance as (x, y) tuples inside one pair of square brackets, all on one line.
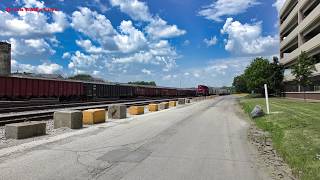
[(267, 98)]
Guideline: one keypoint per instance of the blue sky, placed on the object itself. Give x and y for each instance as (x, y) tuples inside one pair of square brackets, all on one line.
[(169, 41)]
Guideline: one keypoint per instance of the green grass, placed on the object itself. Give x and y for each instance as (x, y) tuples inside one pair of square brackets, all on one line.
[(295, 129)]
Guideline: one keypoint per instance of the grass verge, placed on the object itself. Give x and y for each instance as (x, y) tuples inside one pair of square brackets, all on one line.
[(295, 129)]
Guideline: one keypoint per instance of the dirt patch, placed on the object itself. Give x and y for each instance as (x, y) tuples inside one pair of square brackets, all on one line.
[(268, 155)]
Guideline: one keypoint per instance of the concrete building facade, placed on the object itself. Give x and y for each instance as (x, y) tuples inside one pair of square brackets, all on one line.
[(300, 31), (5, 59)]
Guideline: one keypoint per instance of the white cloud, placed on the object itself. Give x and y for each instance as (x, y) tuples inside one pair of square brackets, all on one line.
[(246, 39), (146, 71), (278, 4), (48, 68), (16, 66), (59, 22), (39, 45), (32, 24), (102, 6), (32, 34), (160, 53), (225, 69), (162, 48), (195, 74), (82, 63), (66, 55), (210, 42), (98, 28), (158, 28), (34, 3), (130, 39), (95, 26), (54, 41), (89, 47), (30, 48), (170, 77), (116, 48), (140, 57), (96, 73), (221, 8), (44, 68), (137, 10), (186, 43)]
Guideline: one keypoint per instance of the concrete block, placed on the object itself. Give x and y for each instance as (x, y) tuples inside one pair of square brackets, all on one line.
[(163, 105), (25, 129), (117, 112), (172, 103), (70, 119), (181, 101), (193, 100), (153, 107), (187, 100), (136, 110), (94, 116)]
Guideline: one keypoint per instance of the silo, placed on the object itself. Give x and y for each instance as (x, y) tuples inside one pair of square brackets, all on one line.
[(5, 59)]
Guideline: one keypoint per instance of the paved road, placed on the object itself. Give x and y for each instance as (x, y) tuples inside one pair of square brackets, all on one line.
[(206, 140)]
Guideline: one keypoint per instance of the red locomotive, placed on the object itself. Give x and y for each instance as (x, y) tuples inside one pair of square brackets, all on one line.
[(202, 90)]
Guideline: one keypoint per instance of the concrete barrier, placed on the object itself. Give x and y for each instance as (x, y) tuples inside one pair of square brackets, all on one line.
[(172, 103), (153, 107), (25, 129), (117, 112), (94, 116), (163, 105), (181, 101), (136, 110), (193, 100), (70, 119), (187, 100)]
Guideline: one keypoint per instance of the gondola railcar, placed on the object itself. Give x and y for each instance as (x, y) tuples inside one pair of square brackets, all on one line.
[(12, 87), (25, 88)]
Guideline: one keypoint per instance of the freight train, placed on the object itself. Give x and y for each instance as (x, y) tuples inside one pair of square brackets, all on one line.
[(203, 90), (12, 87)]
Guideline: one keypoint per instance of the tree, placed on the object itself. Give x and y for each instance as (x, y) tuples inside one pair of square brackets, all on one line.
[(85, 77), (277, 77), (257, 74), (303, 70), (261, 71), (240, 84), (151, 83)]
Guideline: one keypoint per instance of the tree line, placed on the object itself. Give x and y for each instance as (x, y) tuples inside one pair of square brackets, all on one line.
[(261, 71), (151, 83), (87, 77)]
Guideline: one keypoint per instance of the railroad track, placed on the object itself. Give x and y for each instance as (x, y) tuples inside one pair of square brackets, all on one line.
[(29, 106), (46, 114), (32, 102)]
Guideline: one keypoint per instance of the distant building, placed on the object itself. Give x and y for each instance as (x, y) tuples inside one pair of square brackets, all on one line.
[(300, 31), (5, 59)]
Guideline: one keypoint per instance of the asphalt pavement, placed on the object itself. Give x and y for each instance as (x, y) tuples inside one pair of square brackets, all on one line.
[(198, 141)]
